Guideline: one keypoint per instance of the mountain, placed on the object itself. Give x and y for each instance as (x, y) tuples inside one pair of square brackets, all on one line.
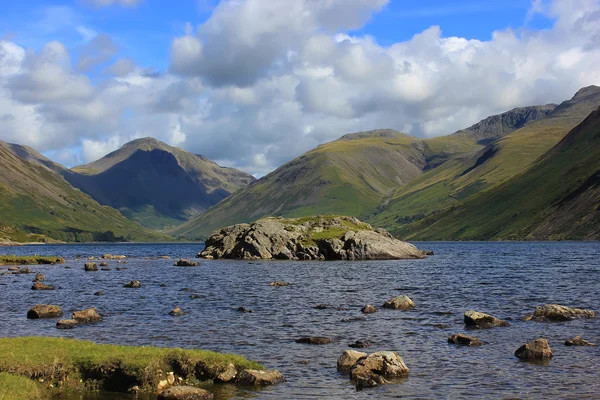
[(156, 184), (37, 203), (353, 175), (557, 198), (467, 174)]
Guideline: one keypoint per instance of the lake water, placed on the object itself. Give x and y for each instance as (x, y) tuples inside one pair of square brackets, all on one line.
[(507, 280)]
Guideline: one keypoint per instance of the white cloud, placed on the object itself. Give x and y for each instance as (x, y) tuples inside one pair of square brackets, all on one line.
[(99, 50)]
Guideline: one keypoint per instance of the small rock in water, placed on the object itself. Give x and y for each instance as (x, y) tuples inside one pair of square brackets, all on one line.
[(99, 294), (186, 263), (321, 306), (90, 267), (67, 267), (369, 309), (279, 283), (133, 285), (164, 285), (104, 264), (105, 269), (539, 349), (360, 344), (44, 311), (39, 277), (475, 319), (314, 340), (428, 253), (22, 271), (559, 313), (185, 393), (252, 377), (87, 316), (464, 340), (399, 303), (244, 310), (67, 324), (42, 286), (195, 296), (185, 289), (578, 341), (353, 319), (177, 312)]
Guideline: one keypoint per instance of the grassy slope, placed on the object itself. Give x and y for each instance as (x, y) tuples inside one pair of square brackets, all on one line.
[(14, 387), (450, 184), (37, 199), (349, 176), (156, 184), (557, 198)]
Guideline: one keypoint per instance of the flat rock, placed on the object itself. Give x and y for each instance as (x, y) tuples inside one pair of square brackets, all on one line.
[(186, 263), (375, 369), (66, 324), (42, 286), (475, 319), (87, 316), (251, 377), (314, 238), (539, 349), (464, 340), (314, 340), (348, 359), (578, 341), (369, 309), (559, 313), (133, 285), (44, 311), (185, 393), (399, 303)]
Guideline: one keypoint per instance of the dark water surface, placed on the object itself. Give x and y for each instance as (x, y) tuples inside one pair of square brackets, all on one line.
[(507, 280)]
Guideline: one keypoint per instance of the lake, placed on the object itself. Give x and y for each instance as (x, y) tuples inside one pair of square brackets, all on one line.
[(507, 280)]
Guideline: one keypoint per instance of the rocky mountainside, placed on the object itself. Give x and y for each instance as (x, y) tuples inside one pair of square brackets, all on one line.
[(557, 198), (157, 184), (314, 238), (354, 175), (38, 204)]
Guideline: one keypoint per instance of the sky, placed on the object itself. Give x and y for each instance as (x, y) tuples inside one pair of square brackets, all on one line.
[(253, 84)]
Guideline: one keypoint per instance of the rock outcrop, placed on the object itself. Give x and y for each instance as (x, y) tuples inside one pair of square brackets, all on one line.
[(559, 313), (475, 319), (315, 238), (539, 349)]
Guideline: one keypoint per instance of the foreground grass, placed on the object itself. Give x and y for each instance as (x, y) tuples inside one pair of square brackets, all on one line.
[(13, 387), (80, 364), (29, 260)]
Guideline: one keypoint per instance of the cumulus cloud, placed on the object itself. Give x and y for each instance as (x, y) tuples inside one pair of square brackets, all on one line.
[(261, 81), (99, 50)]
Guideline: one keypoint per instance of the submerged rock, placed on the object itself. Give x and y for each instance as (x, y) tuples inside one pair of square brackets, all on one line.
[(539, 349), (348, 359), (279, 283), (99, 293), (360, 344), (90, 267), (399, 303), (475, 319), (44, 311), (244, 310), (578, 341), (185, 393), (251, 377), (314, 340), (315, 238), (559, 313), (464, 340), (67, 324), (375, 369), (87, 316), (42, 286), (186, 263)]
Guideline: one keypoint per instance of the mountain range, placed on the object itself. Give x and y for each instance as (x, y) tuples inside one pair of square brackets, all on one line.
[(529, 173)]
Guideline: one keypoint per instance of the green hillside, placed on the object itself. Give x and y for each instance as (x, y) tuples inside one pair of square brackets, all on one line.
[(37, 204), (156, 184), (557, 198), (468, 174)]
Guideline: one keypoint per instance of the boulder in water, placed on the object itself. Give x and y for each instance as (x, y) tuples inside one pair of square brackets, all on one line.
[(87, 316), (67, 324), (360, 344), (475, 319), (559, 313), (464, 340), (186, 263), (177, 312), (399, 303), (539, 349), (578, 341), (185, 393), (44, 311), (90, 267), (251, 377), (42, 286), (369, 309), (133, 285), (375, 369), (348, 359)]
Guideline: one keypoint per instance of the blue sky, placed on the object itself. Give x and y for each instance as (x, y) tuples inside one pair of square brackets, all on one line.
[(255, 83)]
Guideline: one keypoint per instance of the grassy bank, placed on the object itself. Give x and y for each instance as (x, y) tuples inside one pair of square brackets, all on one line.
[(29, 260), (84, 365), (13, 387)]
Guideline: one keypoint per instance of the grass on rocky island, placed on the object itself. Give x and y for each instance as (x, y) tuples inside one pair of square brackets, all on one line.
[(78, 364), (14, 387), (29, 260)]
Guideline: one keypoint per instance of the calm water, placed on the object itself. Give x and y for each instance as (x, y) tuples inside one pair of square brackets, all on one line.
[(505, 279)]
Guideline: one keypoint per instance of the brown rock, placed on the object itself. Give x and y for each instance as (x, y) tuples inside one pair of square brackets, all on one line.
[(133, 285), (66, 324), (185, 393), (90, 267), (314, 340), (177, 312), (369, 309), (104, 264), (227, 374), (42, 286), (464, 340), (251, 377), (475, 319), (559, 313), (348, 359), (399, 303), (377, 368), (44, 311), (578, 341), (539, 349), (39, 277), (360, 344), (87, 316), (186, 263), (279, 283)]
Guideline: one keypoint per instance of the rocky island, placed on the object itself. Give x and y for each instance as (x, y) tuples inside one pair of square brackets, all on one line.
[(310, 238)]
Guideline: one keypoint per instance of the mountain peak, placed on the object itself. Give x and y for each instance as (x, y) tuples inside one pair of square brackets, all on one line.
[(587, 91), (146, 143)]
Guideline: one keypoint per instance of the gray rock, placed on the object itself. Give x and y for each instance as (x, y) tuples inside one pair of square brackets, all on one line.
[(377, 368), (475, 319), (559, 313), (539, 349)]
